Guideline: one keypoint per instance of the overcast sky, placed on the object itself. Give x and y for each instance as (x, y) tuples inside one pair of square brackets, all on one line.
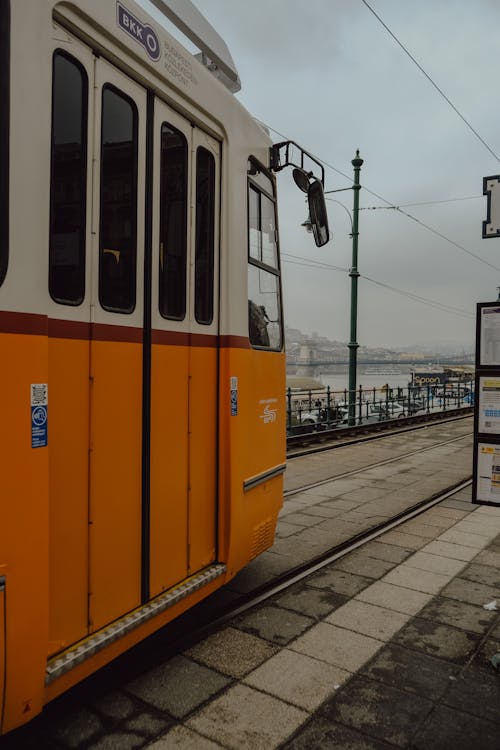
[(327, 74)]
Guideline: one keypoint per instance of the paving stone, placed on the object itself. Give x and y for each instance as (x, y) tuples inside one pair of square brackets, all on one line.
[(297, 679), (484, 574), (177, 686), (488, 649), (118, 741), (115, 705), (147, 724), (476, 692), (302, 519), (377, 710), (363, 565), (463, 537), (437, 640), (393, 597), (400, 539), (419, 580), (323, 511), (76, 728), (342, 648), (368, 619), (285, 529), (435, 563), (419, 528), (410, 671), (246, 719), (274, 624), (340, 504), (489, 557), (453, 551), (309, 601), (456, 504), (448, 729), (319, 733), (469, 591), (232, 652), (347, 584), (388, 552), (459, 614), (182, 738)]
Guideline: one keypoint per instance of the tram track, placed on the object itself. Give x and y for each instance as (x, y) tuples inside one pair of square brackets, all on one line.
[(367, 467), (300, 572), (325, 441)]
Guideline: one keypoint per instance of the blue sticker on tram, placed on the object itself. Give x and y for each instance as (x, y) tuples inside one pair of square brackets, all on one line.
[(39, 424), (39, 415), (142, 34)]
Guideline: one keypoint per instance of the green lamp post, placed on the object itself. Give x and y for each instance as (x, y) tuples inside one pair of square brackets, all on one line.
[(354, 274)]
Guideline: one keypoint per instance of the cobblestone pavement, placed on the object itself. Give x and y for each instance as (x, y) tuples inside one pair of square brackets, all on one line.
[(388, 647)]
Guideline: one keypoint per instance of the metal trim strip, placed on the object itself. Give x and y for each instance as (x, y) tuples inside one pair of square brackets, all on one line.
[(59, 665), (249, 484)]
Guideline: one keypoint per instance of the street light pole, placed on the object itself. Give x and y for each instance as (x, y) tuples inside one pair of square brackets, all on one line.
[(354, 274)]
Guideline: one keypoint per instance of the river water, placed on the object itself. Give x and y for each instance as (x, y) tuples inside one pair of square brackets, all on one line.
[(340, 381)]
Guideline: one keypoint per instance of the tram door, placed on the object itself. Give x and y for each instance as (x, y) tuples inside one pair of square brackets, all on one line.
[(184, 350), (116, 346)]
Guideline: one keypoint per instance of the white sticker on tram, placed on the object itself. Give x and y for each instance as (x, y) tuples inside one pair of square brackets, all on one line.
[(234, 396), (269, 414)]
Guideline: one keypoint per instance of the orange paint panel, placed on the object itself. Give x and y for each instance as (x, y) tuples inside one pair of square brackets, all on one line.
[(24, 529), (202, 458), (115, 480), (252, 442), (2, 651), (68, 490), (169, 466)]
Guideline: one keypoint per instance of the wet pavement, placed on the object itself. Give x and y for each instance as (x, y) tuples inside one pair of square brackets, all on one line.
[(389, 646)]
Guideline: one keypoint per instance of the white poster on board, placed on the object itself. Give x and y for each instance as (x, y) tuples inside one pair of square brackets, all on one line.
[(488, 473), (490, 336)]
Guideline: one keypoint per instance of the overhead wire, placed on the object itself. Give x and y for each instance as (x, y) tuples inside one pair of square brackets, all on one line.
[(319, 265), (392, 205), (431, 81)]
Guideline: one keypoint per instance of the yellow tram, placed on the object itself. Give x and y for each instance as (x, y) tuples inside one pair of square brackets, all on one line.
[(142, 445)]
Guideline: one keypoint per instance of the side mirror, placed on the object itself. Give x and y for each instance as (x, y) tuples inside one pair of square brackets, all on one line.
[(317, 213)]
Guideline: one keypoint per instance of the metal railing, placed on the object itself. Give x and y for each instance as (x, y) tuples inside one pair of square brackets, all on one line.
[(314, 410)]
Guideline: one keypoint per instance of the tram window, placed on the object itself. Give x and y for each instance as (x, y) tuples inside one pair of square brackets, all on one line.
[(264, 304), (205, 223), (263, 308), (118, 227), (173, 223), (262, 228), (68, 185)]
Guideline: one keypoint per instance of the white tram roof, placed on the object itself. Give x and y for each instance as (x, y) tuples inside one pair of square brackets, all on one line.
[(215, 54)]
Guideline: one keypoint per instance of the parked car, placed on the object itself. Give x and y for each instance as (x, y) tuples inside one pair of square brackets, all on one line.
[(413, 406)]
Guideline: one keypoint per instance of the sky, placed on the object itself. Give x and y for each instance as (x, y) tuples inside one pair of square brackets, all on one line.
[(327, 74)]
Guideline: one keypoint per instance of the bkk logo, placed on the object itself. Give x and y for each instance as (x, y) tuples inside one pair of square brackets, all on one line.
[(142, 34)]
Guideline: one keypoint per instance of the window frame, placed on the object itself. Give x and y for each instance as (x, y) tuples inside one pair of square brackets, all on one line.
[(211, 250), (4, 136), (135, 190), (256, 167), (186, 148), (84, 178)]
